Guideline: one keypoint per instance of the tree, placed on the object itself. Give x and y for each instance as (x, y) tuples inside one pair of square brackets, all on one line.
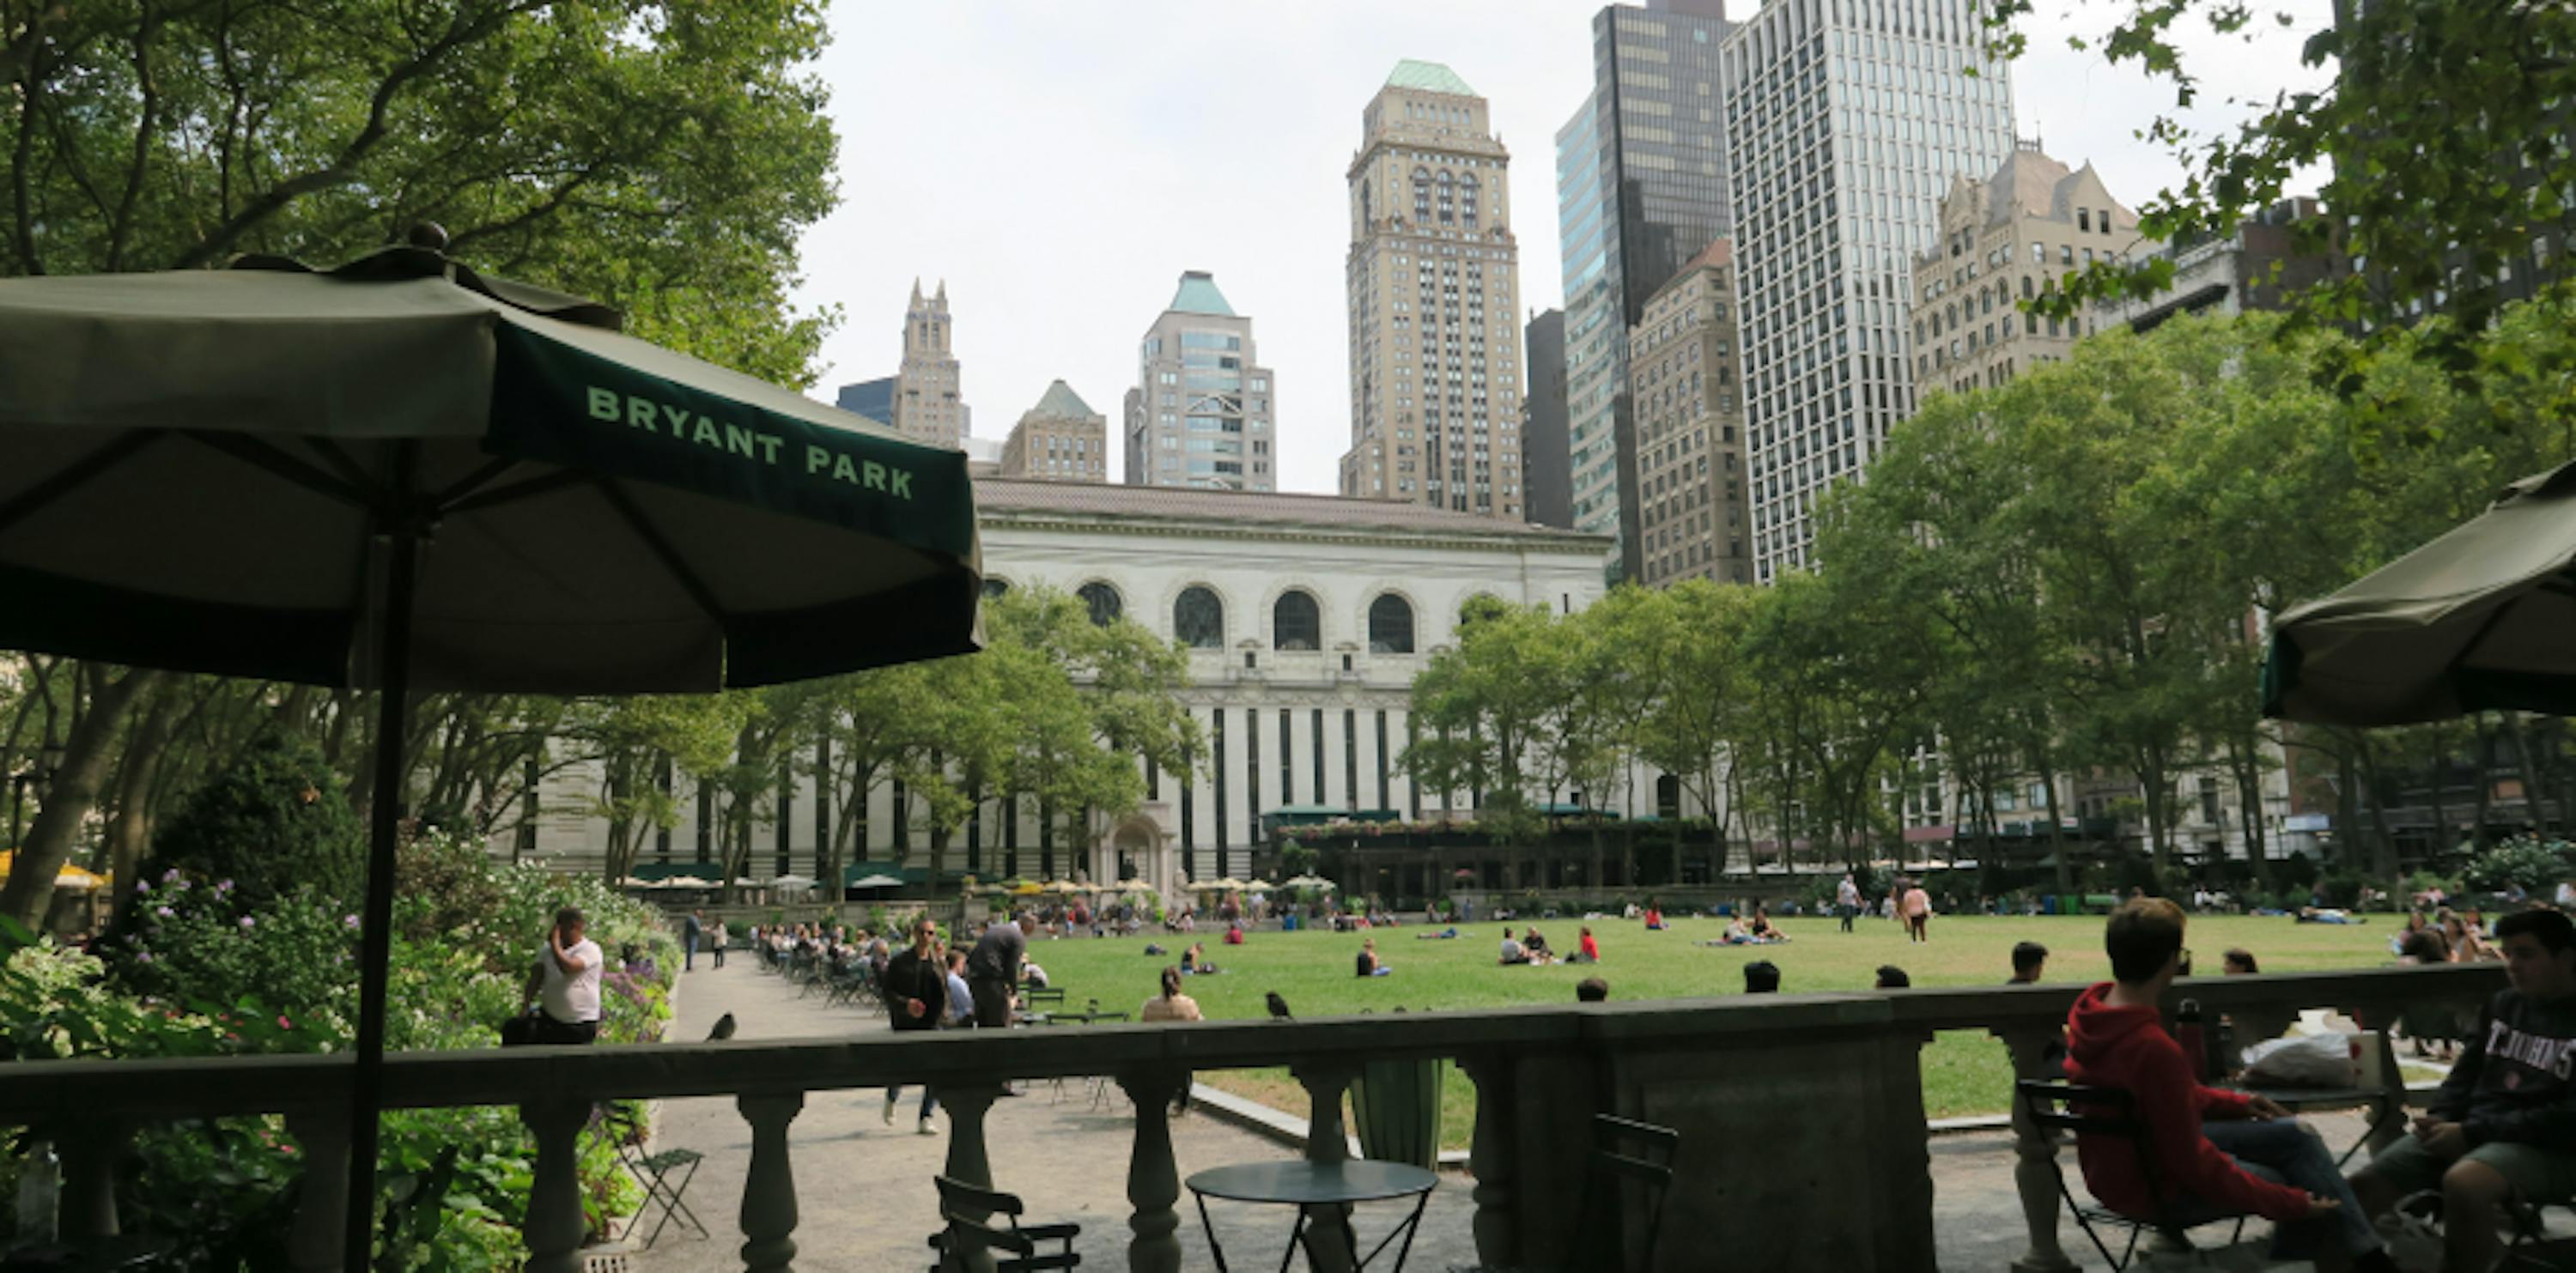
[(2446, 127), (1686, 641), (1489, 715)]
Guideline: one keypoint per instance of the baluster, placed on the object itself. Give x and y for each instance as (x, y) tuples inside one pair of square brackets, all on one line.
[(555, 1226), (1489, 1159), (322, 1204), (769, 1192), (966, 1106), (89, 1157), (1153, 1179), (2035, 1148), (1328, 1228)]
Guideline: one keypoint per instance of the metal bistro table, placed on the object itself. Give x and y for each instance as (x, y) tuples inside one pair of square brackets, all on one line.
[(1306, 1185)]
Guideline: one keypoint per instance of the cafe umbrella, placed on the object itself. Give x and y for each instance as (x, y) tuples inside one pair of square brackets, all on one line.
[(403, 476), (2474, 620)]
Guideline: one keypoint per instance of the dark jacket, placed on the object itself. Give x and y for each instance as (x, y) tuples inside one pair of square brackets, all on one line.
[(2512, 1081), (2127, 1048), (912, 976)]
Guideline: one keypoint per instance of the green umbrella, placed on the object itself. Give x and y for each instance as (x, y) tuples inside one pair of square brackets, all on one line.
[(401, 475), (2477, 619)]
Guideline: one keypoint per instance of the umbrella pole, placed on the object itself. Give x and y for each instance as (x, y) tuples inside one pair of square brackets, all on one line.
[(384, 812)]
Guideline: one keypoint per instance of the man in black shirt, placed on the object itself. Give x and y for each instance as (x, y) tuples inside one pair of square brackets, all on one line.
[(916, 997), (993, 969), (2505, 1120)]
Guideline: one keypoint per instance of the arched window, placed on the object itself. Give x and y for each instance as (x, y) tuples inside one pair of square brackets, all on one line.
[(1198, 619), (1102, 601), (1296, 624), (1390, 625), (994, 587)]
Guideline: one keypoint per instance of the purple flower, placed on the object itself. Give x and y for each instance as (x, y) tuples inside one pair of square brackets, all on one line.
[(143, 886), (223, 886), (164, 912), (143, 956), (349, 920), (247, 921), (169, 875)]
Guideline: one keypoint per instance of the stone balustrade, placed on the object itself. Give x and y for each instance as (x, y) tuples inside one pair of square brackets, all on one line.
[(1785, 1106)]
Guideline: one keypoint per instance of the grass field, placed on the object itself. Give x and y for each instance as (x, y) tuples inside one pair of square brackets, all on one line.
[(1963, 1072)]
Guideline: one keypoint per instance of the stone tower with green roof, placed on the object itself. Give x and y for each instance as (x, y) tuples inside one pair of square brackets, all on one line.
[(1204, 410), (1061, 439), (1434, 282)]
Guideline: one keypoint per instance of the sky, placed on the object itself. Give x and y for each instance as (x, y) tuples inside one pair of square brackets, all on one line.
[(1059, 163)]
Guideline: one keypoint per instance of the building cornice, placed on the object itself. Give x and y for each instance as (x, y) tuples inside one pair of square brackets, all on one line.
[(1549, 540)]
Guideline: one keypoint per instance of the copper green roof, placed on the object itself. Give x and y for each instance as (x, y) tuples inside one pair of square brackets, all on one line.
[(1061, 401), (1198, 295), (1429, 77)]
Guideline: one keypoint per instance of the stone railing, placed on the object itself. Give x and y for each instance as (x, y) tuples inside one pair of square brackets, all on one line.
[(1784, 1105)]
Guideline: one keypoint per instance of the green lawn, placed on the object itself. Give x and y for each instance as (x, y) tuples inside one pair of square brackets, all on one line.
[(1963, 1072)]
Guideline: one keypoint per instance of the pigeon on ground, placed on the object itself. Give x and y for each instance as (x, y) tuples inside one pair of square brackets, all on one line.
[(723, 1031), (1279, 1007)]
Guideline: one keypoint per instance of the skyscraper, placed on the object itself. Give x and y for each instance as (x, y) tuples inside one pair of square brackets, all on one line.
[(1543, 456), (1434, 283), (1845, 125), (1688, 403), (1060, 439), (1204, 409), (926, 405), (871, 398), (1640, 190)]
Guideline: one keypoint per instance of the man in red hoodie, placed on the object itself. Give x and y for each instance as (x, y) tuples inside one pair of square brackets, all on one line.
[(2213, 1153)]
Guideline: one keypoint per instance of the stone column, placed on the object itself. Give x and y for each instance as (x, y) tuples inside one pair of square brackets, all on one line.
[(1904, 1232), (1328, 1229), (966, 1105), (1489, 1159), (322, 1200), (555, 1226), (1153, 1179), (89, 1153), (2035, 1151), (769, 1193)]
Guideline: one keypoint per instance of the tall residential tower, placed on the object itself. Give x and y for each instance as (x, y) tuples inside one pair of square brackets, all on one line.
[(1434, 282), (1204, 411), (1846, 123), (926, 405)]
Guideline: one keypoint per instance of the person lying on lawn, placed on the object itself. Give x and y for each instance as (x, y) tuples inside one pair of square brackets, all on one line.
[(2212, 1153)]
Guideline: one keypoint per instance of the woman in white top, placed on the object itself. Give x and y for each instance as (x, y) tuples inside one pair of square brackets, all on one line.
[(1172, 1005)]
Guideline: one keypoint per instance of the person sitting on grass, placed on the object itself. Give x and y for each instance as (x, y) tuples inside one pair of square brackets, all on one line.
[(1513, 951), (1891, 977), (1736, 934), (1762, 930), (1654, 919), (1592, 990), (2210, 1153), (2029, 960), (1761, 977), (1368, 962), (2504, 1123), (1234, 934), (1587, 951)]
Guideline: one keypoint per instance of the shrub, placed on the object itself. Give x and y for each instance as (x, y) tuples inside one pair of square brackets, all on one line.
[(273, 823), (201, 945), (2536, 865), (2342, 888)]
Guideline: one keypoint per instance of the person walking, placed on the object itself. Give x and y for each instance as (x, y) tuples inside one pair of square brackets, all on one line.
[(1918, 913), (1846, 901), (993, 969), (691, 929), (916, 998), (718, 939), (566, 983)]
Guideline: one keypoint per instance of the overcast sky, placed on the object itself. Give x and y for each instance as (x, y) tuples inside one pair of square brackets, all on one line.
[(1060, 162)]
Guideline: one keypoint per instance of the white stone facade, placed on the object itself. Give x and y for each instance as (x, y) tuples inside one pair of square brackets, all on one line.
[(1340, 692)]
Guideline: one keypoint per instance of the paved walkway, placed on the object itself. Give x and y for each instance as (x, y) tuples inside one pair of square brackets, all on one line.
[(867, 1201)]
